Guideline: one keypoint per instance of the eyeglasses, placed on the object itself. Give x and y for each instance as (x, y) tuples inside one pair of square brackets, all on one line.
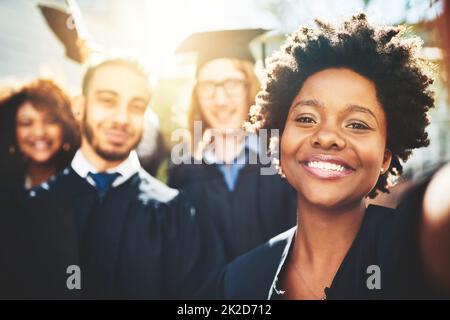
[(232, 87)]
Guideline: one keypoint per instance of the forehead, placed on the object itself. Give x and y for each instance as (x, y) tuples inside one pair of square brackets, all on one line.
[(338, 88), (219, 69), (122, 80), (28, 109)]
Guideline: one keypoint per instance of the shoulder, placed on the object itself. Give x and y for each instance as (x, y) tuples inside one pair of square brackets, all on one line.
[(151, 188), (251, 275), (60, 185), (377, 215), (166, 204)]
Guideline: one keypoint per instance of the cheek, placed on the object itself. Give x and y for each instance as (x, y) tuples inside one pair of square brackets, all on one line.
[(21, 134), (96, 114), (371, 153), (56, 133), (290, 142), (207, 117), (371, 156), (244, 107), (95, 117), (205, 108), (136, 126)]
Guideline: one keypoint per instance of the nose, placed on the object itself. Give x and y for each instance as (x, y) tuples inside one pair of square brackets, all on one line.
[(39, 129), (220, 96), (121, 115), (328, 137)]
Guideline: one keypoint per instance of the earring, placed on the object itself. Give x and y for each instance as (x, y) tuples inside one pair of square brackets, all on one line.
[(66, 147), (382, 171), (280, 172), (277, 165), (12, 150)]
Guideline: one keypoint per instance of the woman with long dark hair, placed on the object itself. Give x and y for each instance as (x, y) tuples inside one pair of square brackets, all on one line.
[(39, 134)]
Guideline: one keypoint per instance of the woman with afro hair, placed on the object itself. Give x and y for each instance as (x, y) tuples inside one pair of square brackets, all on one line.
[(350, 103)]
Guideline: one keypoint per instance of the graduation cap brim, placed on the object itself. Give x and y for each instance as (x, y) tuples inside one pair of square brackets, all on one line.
[(65, 29), (210, 45)]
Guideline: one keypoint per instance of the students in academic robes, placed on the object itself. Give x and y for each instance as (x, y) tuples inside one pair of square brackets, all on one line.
[(131, 236), (227, 173)]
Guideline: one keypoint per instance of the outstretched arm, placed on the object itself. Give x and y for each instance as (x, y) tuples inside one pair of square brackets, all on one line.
[(435, 229)]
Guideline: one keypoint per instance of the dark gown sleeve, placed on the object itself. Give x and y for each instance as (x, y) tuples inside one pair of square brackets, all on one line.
[(402, 270), (194, 256)]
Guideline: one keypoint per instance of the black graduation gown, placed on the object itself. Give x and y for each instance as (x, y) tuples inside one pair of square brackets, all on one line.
[(136, 243), (388, 238), (259, 207), (36, 246)]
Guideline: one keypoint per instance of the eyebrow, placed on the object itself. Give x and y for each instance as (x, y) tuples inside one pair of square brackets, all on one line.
[(350, 107), (115, 94), (98, 92), (145, 101), (310, 102), (357, 108)]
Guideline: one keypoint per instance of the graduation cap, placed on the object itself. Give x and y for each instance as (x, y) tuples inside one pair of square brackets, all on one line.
[(69, 28), (220, 44)]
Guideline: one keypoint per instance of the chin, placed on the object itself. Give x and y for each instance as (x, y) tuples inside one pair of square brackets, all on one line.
[(113, 154), (41, 158), (321, 195)]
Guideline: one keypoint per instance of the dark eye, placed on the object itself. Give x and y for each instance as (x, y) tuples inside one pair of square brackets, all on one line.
[(206, 88), (107, 101), (358, 126), (305, 119), (138, 107), (51, 120), (24, 123), (234, 85)]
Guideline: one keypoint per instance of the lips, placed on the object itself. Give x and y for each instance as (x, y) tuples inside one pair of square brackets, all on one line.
[(224, 116), (327, 166), (116, 136), (40, 145)]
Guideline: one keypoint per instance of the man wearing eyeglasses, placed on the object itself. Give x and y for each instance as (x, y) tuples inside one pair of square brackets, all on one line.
[(224, 174)]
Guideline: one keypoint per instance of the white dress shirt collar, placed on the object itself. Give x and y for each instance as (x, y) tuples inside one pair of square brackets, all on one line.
[(126, 169), (251, 143)]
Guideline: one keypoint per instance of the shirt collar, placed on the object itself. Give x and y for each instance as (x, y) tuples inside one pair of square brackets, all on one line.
[(251, 143), (126, 168), (288, 237)]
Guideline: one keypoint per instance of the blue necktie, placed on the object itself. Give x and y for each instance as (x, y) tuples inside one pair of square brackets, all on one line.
[(103, 181)]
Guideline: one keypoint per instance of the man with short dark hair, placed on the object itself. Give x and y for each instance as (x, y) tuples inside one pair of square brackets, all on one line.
[(131, 236)]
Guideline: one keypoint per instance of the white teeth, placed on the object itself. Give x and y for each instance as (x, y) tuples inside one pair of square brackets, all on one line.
[(40, 144), (325, 166)]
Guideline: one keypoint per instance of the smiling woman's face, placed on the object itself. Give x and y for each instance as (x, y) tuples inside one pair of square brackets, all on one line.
[(39, 135), (334, 141)]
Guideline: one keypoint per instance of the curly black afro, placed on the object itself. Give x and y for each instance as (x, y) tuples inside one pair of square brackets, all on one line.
[(380, 53)]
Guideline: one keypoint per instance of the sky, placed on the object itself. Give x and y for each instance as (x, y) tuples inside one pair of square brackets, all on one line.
[(167, 22), (152, 29)]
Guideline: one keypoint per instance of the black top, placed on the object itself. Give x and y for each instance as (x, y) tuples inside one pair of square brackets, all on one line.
[(258, 208), (136, 243), (387, 239)]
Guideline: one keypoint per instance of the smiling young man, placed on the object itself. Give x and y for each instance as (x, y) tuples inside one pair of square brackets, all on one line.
[(224, 175), (127, 234)]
